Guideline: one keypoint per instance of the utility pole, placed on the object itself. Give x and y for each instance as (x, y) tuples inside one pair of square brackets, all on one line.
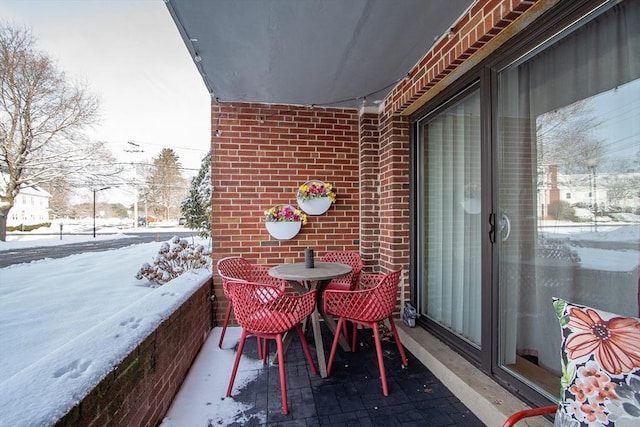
[(135, 148)]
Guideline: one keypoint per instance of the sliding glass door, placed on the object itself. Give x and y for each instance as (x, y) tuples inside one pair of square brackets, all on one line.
[(555, 159)]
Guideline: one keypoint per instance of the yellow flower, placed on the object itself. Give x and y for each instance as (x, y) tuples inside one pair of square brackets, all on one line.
[(314, 189), (282, 213)]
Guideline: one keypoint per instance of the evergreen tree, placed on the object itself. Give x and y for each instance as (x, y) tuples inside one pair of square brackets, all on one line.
[(196, 207), (165, 185)]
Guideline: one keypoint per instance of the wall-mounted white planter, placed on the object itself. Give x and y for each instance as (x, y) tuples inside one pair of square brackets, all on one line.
[(314, 206), (283, 230), (318, 199)]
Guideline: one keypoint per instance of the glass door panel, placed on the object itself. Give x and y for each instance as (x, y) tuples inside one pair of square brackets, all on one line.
[(568, 187), (451, 215)]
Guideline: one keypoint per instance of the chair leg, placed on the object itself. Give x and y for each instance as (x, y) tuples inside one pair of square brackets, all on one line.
[(283, 381), (383, 375), (334, 346), (262, 346), (243, 337), (345, 332), (265, 349), (305, 347), (405, 362), (354, 337), (307, 323), (226, 322)]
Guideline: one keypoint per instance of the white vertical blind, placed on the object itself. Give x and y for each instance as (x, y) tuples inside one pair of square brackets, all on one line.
[(452, 218)]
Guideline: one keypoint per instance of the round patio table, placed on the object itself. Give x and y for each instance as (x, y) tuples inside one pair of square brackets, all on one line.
[(303, 279)]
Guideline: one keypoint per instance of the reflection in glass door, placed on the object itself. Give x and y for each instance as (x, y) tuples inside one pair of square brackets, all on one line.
[(569, 174)]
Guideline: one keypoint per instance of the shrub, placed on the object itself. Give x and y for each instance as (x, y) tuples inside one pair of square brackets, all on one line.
[(31, 227), (174, 258), (561, 210)]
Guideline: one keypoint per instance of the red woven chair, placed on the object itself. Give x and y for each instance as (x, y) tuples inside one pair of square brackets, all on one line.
[(263, 316), (238, 268), (348, 281), (372, 303)]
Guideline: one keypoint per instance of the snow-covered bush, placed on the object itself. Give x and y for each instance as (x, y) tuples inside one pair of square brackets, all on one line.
[(174, 258)]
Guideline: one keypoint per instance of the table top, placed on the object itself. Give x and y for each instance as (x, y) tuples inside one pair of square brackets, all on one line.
[(298, 271)]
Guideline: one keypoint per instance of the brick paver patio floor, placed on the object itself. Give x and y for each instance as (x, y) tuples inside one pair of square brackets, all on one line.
[(352, 394)]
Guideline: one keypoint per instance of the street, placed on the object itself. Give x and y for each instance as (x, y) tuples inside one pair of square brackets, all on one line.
[(24, 255)]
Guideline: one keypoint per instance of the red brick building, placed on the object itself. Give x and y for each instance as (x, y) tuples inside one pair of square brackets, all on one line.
[(464, 127)]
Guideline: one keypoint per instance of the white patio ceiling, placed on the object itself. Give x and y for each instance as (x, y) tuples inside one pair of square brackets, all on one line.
[(309, 52)]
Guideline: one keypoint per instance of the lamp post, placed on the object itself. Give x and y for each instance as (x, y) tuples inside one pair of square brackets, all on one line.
[(591, 165), (94, 208)]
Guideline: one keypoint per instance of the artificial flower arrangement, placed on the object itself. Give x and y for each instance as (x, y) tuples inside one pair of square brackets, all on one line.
[(315, 189), (285, 213)]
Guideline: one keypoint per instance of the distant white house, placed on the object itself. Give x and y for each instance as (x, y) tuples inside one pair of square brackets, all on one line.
[(31, 207), (587, 189)]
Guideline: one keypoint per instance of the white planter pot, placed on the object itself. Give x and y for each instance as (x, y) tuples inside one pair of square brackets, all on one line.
[(315, 206), (283, 230)]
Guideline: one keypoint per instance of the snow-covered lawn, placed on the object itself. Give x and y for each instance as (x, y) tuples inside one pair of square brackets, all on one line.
[(65, 323)]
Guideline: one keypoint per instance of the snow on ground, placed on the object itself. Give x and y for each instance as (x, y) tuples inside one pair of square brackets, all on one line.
[(201, 400), (65, 323), (604, 259), (608, 260)]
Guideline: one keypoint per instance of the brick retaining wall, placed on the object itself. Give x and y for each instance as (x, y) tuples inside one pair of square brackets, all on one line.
[(139, 391)]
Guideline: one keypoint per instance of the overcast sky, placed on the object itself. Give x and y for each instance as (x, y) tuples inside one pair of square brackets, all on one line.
[(130, 54)]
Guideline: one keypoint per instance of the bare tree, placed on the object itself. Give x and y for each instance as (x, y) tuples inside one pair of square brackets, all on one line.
[(42, 119), (566, 137), (621, 188)]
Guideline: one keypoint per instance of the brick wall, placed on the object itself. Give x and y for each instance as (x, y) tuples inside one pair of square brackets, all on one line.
[(139, 391), (261, 153), (468, 40)]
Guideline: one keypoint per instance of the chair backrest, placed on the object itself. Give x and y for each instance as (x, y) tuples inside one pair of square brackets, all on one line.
[(384, 295), (350, 258), (239, 268), (263, 308), (600, 364), (234, 268), (374, 303)]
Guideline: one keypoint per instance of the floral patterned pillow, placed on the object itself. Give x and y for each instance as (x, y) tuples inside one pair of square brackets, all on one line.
[(600, 367)]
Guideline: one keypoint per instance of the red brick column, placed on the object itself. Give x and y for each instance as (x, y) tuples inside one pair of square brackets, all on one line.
[(369, 190)]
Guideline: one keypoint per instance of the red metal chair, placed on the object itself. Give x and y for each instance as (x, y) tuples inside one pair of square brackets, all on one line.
[(238, 268), (263, 316), (373, 302), (348, 281)]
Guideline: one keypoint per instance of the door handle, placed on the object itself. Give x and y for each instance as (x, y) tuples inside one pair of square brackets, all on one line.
[(505, 224), (492, 227)]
